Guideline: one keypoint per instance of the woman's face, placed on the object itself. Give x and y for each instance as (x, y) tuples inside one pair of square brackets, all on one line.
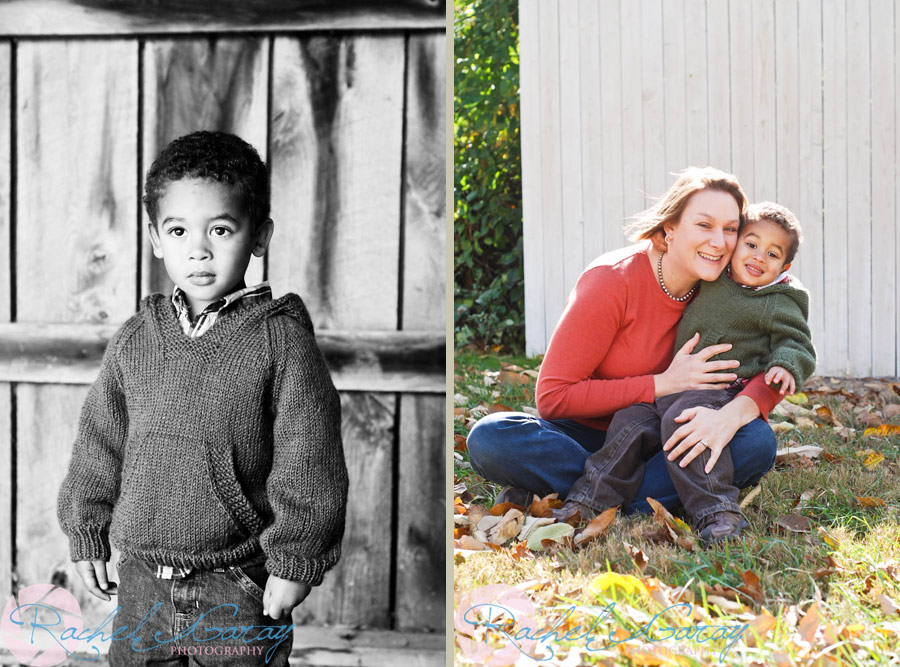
[(705, 236)]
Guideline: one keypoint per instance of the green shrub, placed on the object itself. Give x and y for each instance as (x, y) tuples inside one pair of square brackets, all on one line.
[(489, 289)]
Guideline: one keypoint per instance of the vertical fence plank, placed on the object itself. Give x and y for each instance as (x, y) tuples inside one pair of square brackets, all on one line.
[(740, 17), (337, 125), (884, 184), (652, 85), (612, 177), (675, 83), (6, 471), (551, 160), (337, 128), (859, 200), (591, 124), (419, 590), (632, 108), (834, 93), (718, 59), (697, 126), (531, 128), (201, 84), (76, 105), (810, 154), (763, 104), (571, 133), (897, 185), (357, 591), (787, 108)]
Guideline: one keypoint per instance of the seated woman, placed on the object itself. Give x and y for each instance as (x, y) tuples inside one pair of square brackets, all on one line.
[(613, 348)]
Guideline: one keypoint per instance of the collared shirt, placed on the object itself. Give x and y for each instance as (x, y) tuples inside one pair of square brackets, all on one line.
[(194, 329)]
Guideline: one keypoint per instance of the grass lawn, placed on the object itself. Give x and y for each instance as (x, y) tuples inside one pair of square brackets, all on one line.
[(814, 581)]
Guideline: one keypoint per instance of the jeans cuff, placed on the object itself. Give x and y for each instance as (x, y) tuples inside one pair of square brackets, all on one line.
[(725, 506)]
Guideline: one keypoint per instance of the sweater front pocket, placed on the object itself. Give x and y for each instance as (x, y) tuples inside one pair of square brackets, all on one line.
[(172, 498)]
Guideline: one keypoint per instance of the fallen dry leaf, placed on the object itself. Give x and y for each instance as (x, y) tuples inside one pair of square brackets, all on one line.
[(809, 623), (459, 442), (828, 539), (782, 427), (759, 628), (507, 528), (873, 460), (543, 507), (499, 407), (888, 606), (531, 524), (809, 451), (752, 587), (755, 491), (521, 551), (637, 555), (793, 523), (503, 508), (803, 500), (597, 527), (511, 377), (868, 501), (797, 399), (891, 410), (470, 543)]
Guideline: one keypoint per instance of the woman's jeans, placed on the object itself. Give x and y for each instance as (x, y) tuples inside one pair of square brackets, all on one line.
[(543, 456), (210, 618)]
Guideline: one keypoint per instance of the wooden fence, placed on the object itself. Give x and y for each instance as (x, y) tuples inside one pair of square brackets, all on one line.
[(798, 98), (346, 104)]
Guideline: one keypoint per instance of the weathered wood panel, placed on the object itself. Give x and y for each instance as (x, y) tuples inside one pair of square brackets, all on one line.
[(76, 105), (884, 191), (674, 88), (421, 547), (201, 84), (652, 90), (409, 361), (6, 470), (357, 591), (611, 130), (571, 222), (719, 87), (421, 552), (337, 125), (633, 178), (740, 57), (130, 17), (695, 85)]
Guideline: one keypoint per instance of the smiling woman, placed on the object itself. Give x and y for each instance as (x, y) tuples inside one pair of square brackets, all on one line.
[(613, 348)]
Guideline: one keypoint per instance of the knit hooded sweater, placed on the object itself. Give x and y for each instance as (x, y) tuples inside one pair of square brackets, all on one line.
[(200, 452), (766, 327)]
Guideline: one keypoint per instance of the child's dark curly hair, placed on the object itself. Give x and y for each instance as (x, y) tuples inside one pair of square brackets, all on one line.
[(218, 156)]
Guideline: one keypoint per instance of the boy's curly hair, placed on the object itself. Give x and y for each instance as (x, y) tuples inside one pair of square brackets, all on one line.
[(781, 216), (218, 156)]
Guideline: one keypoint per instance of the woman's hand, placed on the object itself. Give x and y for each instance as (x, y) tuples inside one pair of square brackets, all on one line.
[(706, 428), (695, 371)]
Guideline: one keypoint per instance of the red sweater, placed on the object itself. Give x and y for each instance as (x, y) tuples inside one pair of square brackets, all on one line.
[(616, 332)]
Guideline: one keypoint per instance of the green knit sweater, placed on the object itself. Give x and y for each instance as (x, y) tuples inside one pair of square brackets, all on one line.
[(200, 452), (767, 327)]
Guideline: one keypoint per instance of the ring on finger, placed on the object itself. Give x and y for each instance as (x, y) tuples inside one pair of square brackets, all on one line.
[(703, 443)]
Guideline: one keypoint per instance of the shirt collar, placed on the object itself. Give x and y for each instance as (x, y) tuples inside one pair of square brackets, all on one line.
[(181, 305)]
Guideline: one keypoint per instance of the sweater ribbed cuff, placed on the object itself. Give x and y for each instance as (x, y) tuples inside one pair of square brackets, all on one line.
[(307, 570), (89, 543)]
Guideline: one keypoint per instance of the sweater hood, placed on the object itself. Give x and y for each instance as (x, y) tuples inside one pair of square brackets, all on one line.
[(791, 287)]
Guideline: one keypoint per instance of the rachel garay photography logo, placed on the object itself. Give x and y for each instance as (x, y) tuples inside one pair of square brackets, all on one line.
[(27, 617)]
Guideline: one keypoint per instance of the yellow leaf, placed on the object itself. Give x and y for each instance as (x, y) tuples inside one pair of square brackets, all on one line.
[(873, 460), (797, 399), (828, 539), (870, 502), (602, 582), (883, 429)]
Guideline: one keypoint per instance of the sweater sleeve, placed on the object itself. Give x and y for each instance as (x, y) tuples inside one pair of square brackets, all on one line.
[(91, 486), (590, 322), (790, 340), (307, 486)]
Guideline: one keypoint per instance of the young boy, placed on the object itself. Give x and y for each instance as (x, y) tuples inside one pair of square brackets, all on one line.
[(762, 311), (209, 448)]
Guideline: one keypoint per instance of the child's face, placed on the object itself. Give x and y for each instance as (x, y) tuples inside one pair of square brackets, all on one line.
[(759, 256), (205, 239)]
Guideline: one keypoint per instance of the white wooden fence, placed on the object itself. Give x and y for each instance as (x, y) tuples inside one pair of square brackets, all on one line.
[(798, 98)]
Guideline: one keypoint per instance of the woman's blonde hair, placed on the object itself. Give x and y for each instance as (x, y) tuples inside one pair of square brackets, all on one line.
[(668, 209)]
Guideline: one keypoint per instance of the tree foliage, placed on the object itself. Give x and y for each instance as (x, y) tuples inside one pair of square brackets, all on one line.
[(487, 183)]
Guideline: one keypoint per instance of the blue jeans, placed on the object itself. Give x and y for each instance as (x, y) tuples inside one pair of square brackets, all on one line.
[(209, 618), (543, 456)]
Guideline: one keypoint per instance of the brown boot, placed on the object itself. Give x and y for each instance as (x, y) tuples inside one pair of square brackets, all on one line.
[(721, 526)]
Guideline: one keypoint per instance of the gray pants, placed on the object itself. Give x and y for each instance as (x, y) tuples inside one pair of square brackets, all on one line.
[(613, 474)]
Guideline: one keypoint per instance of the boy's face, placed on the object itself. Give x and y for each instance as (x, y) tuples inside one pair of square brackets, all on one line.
[(759, 256), (205, 239)]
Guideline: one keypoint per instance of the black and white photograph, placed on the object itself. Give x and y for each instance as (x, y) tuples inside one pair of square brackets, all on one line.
[(222, 332)]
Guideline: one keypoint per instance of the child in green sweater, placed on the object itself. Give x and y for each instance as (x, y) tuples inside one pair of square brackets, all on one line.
[(762, 311), (209, 448)]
